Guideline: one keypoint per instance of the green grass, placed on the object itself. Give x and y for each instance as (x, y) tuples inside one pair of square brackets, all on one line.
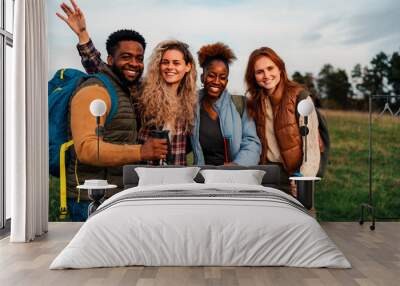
[(54, 200), (345, 185)]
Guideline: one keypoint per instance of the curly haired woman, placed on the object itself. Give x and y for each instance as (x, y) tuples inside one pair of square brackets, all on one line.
[(220, 131), (168, 99)]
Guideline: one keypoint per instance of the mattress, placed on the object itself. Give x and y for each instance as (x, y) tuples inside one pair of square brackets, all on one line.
[(201, 225)]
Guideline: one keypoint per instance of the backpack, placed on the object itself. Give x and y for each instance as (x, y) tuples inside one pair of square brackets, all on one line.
[(323, 135), (60, 90), (239, 102)]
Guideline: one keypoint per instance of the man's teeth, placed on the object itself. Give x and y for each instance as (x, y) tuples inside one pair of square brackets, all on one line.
[(214, 88), (131, 72)]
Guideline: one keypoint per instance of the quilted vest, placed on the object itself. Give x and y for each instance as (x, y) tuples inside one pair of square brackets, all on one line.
[(122, 129), (287, 132)]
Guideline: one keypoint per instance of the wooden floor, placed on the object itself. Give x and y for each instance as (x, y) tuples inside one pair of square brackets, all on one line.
[(374, 255)]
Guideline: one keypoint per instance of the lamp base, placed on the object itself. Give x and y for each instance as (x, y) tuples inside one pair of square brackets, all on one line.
[(305, 190), (305, 193), (97, 196)]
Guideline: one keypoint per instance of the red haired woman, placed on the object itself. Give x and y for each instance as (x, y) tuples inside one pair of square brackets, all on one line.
[(272, 103)]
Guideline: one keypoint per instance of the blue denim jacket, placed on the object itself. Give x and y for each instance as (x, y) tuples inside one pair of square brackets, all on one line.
[(245, 147)]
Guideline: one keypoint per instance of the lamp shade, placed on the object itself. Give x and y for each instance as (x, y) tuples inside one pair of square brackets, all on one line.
[(305, 107), (98, 107)]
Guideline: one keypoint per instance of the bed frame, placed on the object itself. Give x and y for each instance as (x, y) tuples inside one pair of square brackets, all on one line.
[(273, 178)]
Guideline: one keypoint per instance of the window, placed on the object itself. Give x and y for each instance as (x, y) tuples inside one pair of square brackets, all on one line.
[(6, 44)]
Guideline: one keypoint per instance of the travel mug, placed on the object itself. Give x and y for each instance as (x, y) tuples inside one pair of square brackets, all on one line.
[(163, 134)]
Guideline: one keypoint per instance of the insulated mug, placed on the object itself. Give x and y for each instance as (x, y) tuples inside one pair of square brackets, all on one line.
[(163, 134)]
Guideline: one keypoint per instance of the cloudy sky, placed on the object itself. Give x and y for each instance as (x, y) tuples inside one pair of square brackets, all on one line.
[(305, 33)]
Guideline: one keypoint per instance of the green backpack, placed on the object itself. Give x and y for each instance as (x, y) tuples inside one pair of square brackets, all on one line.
[(239, 102)]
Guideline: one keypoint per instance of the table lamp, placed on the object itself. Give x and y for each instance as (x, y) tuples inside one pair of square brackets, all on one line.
[(98, 108), (304, 108)]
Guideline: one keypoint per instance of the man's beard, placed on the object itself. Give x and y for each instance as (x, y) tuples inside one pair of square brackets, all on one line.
[(118, 72)]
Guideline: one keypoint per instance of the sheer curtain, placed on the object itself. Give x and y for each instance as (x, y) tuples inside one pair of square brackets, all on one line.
[(26, 121)]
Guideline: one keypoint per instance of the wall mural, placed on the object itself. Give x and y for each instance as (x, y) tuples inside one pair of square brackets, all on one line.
[(162, 83)]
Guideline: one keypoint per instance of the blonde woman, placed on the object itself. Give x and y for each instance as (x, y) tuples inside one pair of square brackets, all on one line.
[(168, 99)]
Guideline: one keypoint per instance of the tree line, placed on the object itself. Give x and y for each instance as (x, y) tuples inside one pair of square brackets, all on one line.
[(334, 88)]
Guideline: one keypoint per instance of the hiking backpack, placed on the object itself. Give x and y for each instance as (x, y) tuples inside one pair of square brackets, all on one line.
[(60, 90), (240, 103)]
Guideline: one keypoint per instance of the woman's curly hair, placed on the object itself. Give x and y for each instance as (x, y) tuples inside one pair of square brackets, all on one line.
[(158, 106), (217, 51)]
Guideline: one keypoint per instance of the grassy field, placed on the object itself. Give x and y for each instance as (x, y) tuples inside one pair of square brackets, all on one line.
[(345, 185), (54, 199)]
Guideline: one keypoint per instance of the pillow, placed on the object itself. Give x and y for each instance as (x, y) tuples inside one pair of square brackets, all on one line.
[(166, 176), (248, 177)]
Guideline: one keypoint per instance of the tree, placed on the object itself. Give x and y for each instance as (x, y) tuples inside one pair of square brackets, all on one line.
[(375, 77), (298, 77), (361, 97), (309, 82), (334, 85), (323, 79), (357, 78), (394, 73)]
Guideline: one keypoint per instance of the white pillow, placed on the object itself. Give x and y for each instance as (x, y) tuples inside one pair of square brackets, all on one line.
[(248, 177), (166, 176)]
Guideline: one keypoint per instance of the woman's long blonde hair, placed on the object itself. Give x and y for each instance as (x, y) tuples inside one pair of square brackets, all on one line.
[(157, 105)]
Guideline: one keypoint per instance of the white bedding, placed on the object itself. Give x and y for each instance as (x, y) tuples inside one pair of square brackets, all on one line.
[(183, 231)]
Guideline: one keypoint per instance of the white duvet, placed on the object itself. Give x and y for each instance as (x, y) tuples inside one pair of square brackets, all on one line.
[(208, 230)]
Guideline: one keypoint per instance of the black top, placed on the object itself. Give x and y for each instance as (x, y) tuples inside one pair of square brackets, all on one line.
[(211, 139)]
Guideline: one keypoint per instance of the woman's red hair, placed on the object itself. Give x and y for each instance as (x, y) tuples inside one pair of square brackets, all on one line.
[(253, 89)]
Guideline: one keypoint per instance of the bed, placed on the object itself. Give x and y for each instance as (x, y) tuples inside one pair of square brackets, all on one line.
[(201, 224)]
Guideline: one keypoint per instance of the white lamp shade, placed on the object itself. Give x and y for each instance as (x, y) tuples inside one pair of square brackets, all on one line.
[(98, 107), (305, 107)]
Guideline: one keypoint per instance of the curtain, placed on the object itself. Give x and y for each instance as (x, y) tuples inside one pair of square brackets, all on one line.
[(26, 124)]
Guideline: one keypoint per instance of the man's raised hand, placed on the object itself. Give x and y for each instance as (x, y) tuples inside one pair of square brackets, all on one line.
[(75, 19)]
